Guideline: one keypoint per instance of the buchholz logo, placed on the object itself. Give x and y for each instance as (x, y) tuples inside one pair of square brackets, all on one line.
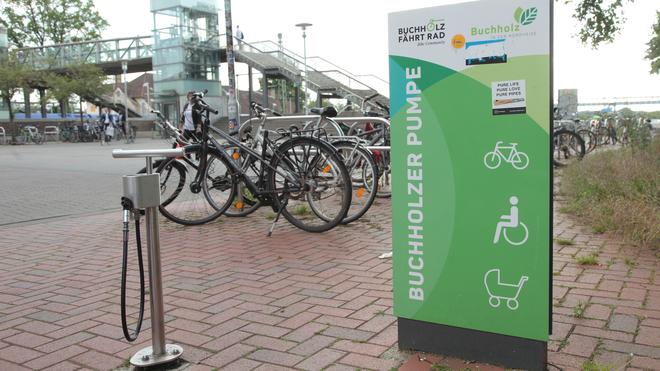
[(525, 17), (433, 30)]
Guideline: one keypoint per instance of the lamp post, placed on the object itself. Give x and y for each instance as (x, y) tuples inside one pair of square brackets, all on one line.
[(233, 115), (124, 67), (304, 27)]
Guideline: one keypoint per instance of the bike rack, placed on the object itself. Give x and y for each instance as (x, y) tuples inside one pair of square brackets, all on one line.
[(294, 119), (144, 191)]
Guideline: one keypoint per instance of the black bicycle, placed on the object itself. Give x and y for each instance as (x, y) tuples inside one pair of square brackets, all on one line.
[(301, 176)]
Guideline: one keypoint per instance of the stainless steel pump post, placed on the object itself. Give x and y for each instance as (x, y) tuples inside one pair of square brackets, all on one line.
[(159, 352)]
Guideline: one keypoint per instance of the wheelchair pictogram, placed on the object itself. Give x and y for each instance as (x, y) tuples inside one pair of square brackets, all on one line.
[(511, 221)]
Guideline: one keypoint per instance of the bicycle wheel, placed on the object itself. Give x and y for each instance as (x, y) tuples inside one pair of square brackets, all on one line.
[(364, 178), (589, 139), (185, 201), (384, 174), (310, 184), (567, 147), (603, 136)]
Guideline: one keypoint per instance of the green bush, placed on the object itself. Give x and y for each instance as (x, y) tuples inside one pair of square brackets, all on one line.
[(618, 191)]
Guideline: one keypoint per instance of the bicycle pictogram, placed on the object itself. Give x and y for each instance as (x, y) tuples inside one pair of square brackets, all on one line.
[(509, 153)]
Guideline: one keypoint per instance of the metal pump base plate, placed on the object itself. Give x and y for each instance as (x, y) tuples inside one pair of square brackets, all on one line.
[(145, 357)]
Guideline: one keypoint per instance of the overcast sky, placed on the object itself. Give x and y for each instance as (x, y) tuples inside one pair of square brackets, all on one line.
[(353, 35)]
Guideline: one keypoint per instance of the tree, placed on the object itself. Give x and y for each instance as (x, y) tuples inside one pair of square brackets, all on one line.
[(84, 80), (601, 23), (60, 88), (653, 52), (88, 82), (40, 22), (13, 75), (603, 20)]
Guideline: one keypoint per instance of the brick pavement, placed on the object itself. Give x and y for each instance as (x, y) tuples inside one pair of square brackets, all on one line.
[(239, 300)]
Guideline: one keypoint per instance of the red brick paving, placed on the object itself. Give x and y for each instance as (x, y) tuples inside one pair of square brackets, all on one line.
[(239, 300)]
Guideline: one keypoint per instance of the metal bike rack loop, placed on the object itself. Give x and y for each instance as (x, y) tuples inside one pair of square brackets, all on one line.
[(297, 119), (144, 191)]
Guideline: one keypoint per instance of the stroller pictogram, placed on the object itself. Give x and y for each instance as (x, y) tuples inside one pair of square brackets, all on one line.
[(498, 291)]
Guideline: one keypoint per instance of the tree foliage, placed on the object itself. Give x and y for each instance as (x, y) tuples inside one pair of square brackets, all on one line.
[(84, 80), (13, 76), (601, 20), (41, 22), (653, 52)]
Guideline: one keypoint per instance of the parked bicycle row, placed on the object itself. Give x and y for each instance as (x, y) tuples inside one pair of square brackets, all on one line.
[(313, 177)]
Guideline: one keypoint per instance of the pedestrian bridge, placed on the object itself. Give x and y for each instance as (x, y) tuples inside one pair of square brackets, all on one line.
[(268, 57)]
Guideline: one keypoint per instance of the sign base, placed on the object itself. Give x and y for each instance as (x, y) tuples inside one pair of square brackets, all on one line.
[(496, 349)]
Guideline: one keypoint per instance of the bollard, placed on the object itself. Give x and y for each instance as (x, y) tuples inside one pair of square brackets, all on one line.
[(144, 192)]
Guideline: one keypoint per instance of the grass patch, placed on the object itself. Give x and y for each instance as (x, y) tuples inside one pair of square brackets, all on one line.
[(591, 259), (439, 367), (578, 311), (618, 191), (301, 210), (593, 366), (563, 242), (599, 229), (630, 262)]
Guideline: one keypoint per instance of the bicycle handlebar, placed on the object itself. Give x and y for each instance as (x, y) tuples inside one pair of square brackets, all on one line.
[(205, 107)]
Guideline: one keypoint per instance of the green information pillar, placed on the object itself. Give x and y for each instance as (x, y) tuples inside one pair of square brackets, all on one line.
[(471, 97)]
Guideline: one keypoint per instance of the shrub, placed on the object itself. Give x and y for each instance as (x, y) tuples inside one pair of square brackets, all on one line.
[(618, 191)]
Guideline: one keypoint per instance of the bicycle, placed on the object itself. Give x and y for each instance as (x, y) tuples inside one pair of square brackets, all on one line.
[(377, 134), (29, 134), (294, 176), (119, 133), (69, 134), (358, 160), (590, 139), (567, 146), (130, 136), (370, 133)]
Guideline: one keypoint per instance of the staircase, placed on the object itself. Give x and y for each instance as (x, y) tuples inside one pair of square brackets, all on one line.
[(115, 101), (323, 76)]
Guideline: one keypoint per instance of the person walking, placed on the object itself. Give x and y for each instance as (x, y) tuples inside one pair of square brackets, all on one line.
[(189, 120), (612, 132), (110, 129), (239, 37), (105, 119)]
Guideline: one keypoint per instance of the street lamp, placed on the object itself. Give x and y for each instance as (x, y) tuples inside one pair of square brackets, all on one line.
[(124, 67), (304, 27)]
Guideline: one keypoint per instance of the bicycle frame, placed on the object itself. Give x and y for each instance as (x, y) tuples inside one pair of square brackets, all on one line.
[(236, 168)]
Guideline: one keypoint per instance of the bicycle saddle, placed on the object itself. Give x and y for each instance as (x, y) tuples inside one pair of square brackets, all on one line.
[(329, 111)]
